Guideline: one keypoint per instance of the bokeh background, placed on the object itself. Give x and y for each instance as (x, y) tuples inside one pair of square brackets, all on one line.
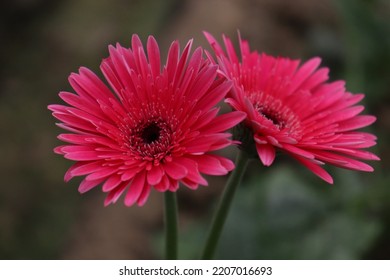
[(281, 212)]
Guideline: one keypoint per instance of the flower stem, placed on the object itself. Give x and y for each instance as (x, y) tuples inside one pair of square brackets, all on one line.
[(170, 225), (224, 205)]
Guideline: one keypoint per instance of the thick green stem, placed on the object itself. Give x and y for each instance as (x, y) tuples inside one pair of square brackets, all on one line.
[(170, 225), (224, 206)]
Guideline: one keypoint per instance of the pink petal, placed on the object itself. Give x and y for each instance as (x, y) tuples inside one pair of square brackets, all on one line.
[(266, 153), (175, 170), (316, 169), (183, 81), (72, 138), (296, 150), (102, 173), (226, 121), (155, 175), (172, 59), (154, 56), (221, 143), (230, 50), (214, 44), (194, 146), (83, 104), (68, 175), (88, 85), (226, 163), (203, 119), (135, 189), (173, 185), (58, 150), (129, 173), (111, 183), (83, 155), (144, 195), (345, 161), (163, 185), (210, 164), (86, 168), (213, 97), (190, 184), (360, 154), (304, 72), (355, 123), (203, 82), (87, 185), (318, 77), (193, 172), (113, 195)]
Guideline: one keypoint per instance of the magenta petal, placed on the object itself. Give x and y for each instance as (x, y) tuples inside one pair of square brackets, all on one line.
[(69, 173), (86, 168), (144, 195), (111, 183), (316, 169), (154, 175), (114, 194), (129, 174), (173, 185), (210, 164), (214, 44), (172, 59), (361, 154), (190, 184), (72, 138), (226, 163), (216, 95), (266, 153), (83, 156), (345, 162), (356, 122), (226, 121), (135, 189), (193, 172), (87, 185), (101, 174), (304, 72), (175, 170), (163, 185), (154, 56), (203, 83), (298, 151)]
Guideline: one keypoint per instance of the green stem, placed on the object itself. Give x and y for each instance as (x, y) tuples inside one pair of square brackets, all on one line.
[(170, 225), (224, 206)]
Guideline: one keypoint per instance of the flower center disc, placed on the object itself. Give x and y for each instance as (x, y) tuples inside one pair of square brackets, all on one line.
[(151, 133), (152, 139), (274, 110), (274, 116)]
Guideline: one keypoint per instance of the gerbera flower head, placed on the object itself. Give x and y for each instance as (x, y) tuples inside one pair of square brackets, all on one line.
[(157, 129), (293, 108)]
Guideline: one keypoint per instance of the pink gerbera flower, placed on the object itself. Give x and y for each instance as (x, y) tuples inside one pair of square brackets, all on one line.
[(156, 130), (292, 108)]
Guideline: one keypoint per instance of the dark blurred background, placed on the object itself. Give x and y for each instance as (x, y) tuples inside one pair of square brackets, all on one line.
[(281, 212)]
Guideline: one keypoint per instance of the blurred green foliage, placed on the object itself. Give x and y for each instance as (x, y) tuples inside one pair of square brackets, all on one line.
[(282, 212), (284, 215)]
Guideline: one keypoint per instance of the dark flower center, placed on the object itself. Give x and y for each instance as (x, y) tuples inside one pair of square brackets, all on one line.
[(277, 112), (151, 139), (151, 133), (274, 116)]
